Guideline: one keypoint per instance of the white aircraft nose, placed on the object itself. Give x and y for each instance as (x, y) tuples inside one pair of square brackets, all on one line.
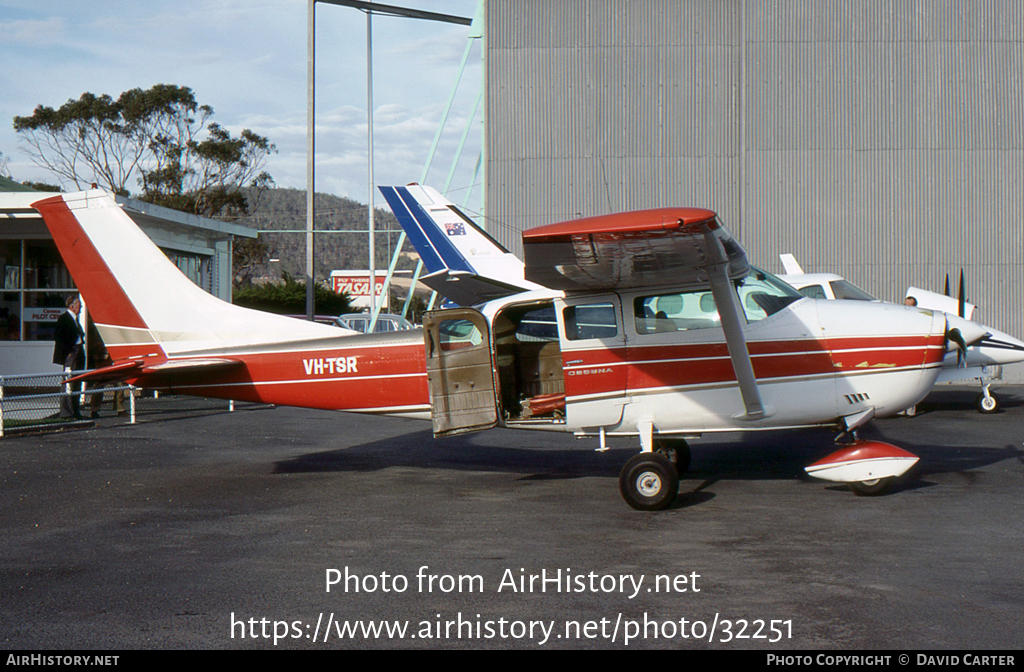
[(998, 347)]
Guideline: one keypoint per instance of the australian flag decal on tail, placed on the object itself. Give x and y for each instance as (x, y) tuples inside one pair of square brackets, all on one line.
[(455, 229)]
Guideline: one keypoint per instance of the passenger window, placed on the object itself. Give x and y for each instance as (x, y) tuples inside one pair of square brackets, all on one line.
[(592, 320), (662, 313), (538, 325)]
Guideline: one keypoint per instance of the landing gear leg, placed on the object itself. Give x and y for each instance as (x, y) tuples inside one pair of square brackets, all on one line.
[(649, 482), (676, 451)]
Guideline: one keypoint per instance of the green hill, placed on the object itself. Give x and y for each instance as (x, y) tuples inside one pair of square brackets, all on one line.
[(285, 210)]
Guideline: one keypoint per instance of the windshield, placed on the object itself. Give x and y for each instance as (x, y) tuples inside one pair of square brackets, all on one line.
[(843, 289), (762, 294)]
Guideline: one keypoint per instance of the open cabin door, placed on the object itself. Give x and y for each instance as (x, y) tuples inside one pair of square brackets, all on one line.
[(459, 371)]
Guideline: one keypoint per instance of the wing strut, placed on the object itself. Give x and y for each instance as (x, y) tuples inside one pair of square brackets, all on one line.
[(729, 310)]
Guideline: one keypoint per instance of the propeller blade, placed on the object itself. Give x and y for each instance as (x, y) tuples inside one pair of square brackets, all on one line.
[(954, 336), (961, 299), (946, 290)]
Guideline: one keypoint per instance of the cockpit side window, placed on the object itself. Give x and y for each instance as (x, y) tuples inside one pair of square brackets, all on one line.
[(844, 289), (762, 294), (813, 292)]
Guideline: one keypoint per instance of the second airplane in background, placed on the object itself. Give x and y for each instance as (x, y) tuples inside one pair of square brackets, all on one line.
[(982, 361)]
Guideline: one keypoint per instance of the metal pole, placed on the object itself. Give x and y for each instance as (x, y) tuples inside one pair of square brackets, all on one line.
[(447, 110), (462, 143), (369, 197), (310, 153)]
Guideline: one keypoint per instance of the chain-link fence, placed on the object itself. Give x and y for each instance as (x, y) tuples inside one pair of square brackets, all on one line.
[(36, 402)]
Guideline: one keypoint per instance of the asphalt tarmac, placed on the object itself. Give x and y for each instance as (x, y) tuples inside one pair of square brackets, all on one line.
[(223, 530)]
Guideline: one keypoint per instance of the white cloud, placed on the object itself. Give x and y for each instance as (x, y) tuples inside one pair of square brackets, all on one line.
[(247, 59)]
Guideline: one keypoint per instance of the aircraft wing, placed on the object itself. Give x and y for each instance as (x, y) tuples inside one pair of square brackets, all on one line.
[(645, 248), (649, 248), (463, 262)]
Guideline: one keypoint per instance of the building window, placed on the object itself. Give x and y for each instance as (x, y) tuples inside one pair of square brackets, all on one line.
[(196, 268), (36, 284)]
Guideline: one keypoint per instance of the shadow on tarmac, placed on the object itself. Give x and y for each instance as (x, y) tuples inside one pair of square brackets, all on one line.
[(541, 456)]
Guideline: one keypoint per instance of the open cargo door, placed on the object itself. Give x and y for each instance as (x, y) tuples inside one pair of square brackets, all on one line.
[(459, 371)]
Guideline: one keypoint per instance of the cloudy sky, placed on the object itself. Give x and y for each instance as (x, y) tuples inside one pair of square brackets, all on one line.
[(247, 60)]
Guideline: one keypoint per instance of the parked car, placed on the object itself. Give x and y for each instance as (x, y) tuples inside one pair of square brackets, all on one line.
[(385, 322)]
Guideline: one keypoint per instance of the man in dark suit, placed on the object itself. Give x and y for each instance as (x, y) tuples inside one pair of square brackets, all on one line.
[(68, 351)]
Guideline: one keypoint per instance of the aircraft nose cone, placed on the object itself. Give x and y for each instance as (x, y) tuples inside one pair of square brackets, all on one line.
[(1000, 348)]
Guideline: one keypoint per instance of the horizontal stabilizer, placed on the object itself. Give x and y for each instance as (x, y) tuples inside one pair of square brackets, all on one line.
[(190, 365), (468, 289), (122, 370), (167, 371)]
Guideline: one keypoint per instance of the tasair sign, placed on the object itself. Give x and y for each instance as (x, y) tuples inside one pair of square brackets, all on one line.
[(357, 285)]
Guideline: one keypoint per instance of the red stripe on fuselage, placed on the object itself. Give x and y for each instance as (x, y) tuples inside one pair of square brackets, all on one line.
[(638, 368), (347, 379)]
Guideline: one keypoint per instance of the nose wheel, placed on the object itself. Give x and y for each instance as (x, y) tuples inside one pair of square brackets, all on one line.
[(986, 402), (649, 482), (871, 487)]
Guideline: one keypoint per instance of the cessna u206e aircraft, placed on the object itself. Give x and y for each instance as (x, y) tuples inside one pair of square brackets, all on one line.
[(651, 325)]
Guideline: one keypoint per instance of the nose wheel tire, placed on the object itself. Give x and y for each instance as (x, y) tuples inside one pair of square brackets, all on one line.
[(875, 486), (649, 482), (986, 404)]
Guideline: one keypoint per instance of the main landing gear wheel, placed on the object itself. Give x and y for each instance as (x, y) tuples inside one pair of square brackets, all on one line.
[(875, 486), (649, 482), (986, 404), (676, 451)]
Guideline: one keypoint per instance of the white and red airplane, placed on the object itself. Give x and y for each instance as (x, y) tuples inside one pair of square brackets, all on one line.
[(651, 325)]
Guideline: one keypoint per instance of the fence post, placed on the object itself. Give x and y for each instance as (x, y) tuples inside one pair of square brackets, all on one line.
[(131, 404), (1, 408)]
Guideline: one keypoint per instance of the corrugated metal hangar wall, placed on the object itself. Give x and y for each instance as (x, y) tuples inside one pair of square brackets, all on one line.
[(879, 139)]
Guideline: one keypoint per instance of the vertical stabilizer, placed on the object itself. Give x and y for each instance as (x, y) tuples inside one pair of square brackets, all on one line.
[(462, 261), (140, 301)]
